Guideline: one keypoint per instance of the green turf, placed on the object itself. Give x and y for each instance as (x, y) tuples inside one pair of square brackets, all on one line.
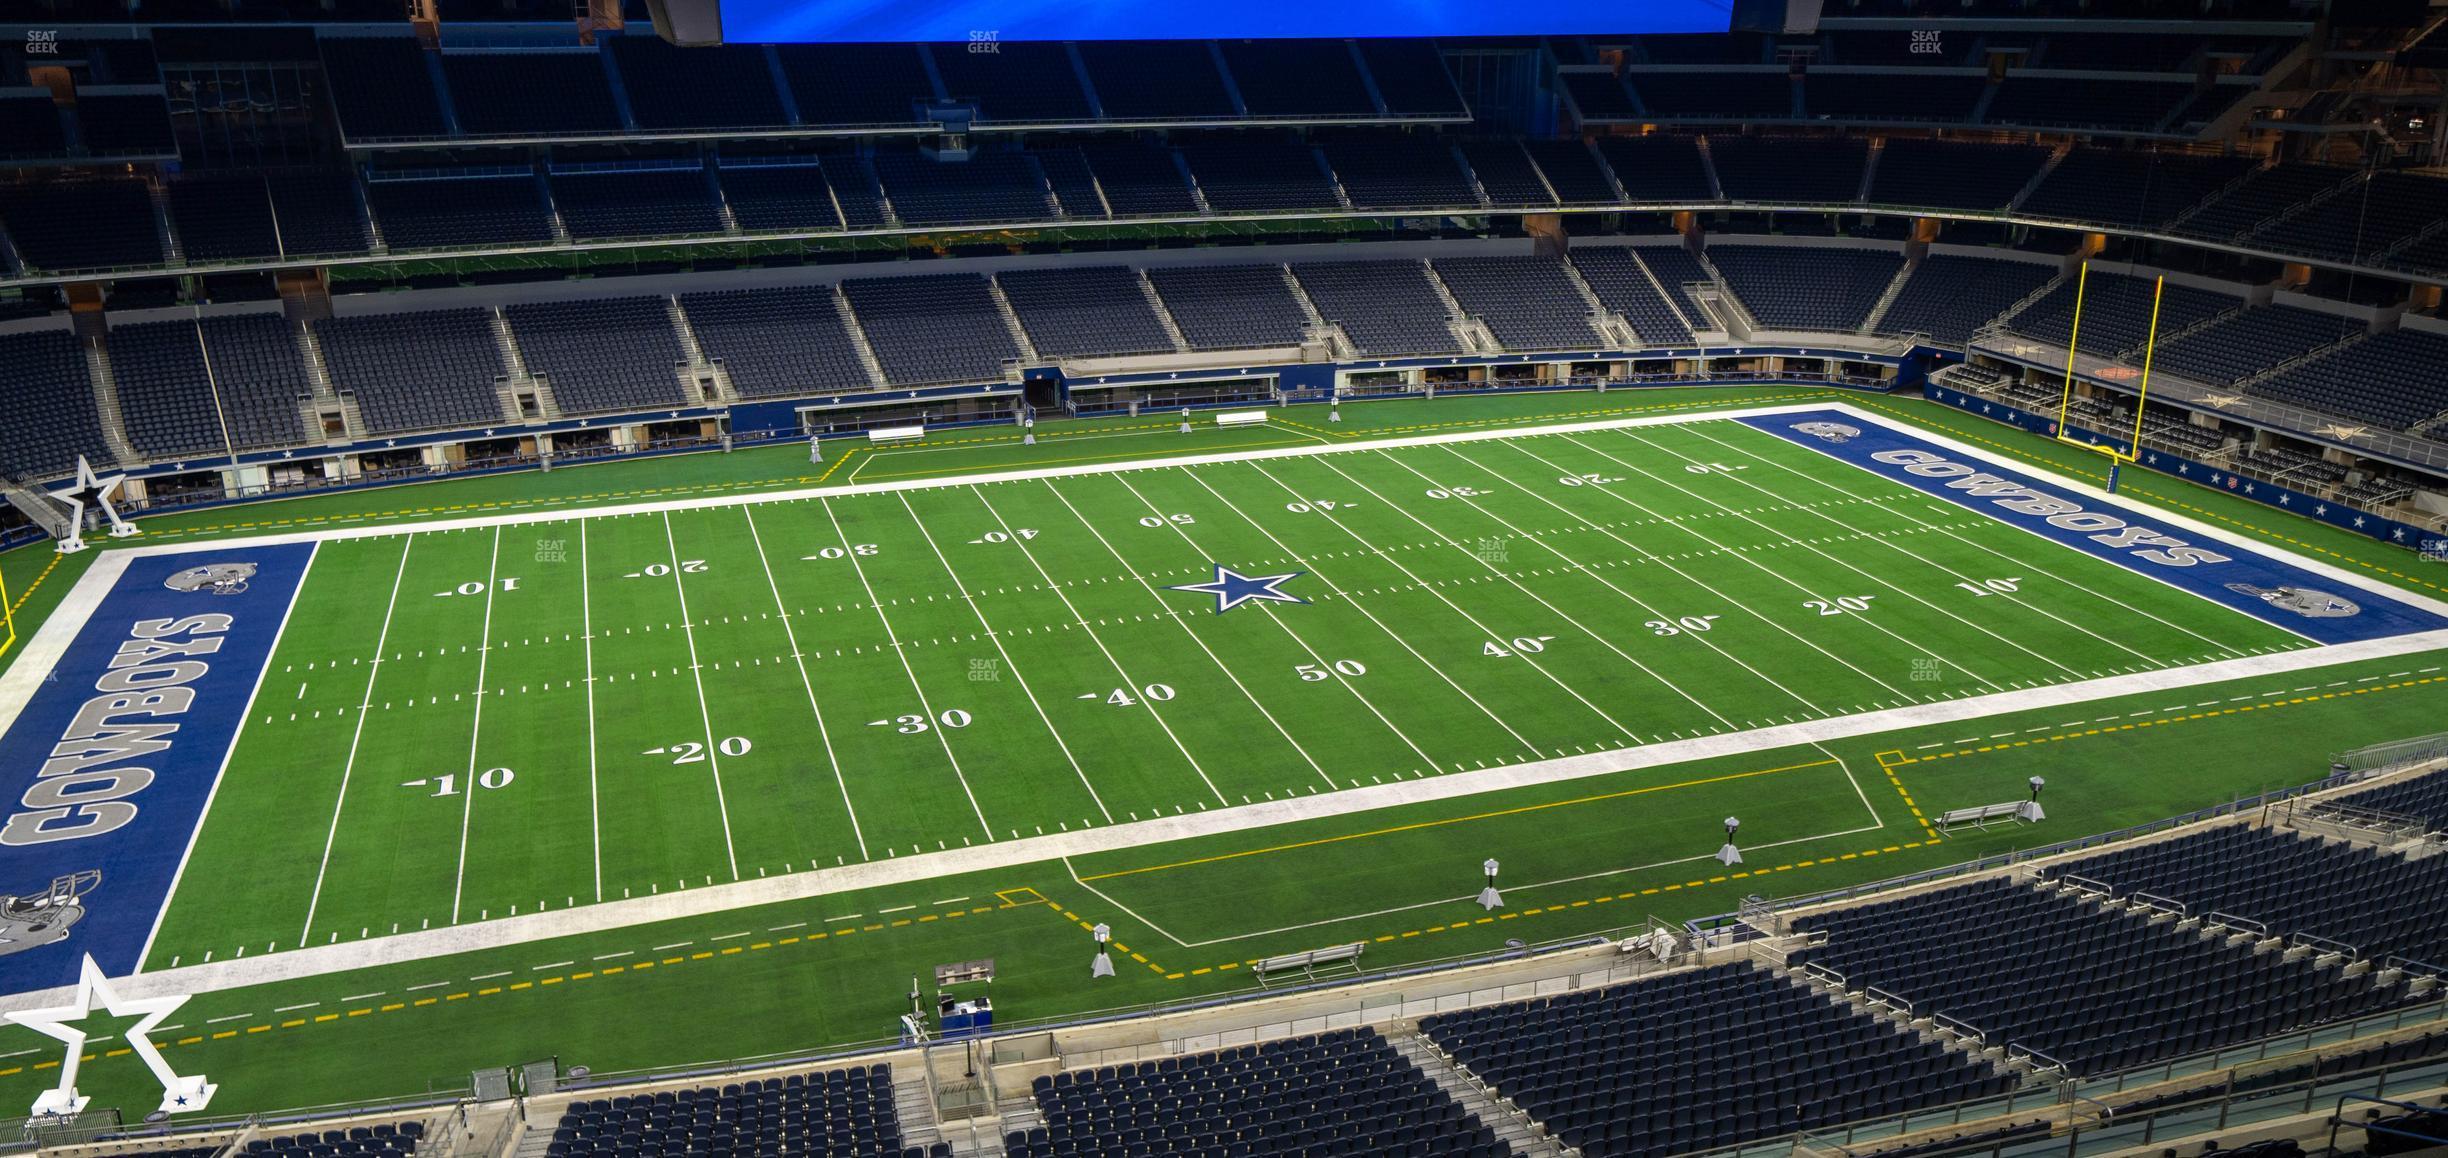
[(573, 712), (708, 999), (1390, 876)]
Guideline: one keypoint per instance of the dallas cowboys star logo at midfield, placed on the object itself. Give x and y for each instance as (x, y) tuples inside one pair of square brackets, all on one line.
[(1232, 588)]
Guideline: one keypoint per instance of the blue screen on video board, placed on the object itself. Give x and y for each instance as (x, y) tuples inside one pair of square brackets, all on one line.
[(866, 21)]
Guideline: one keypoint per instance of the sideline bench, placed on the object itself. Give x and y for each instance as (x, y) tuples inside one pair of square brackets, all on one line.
[(1983, 815), (1241, 418), (1308, 963), (884, 434)]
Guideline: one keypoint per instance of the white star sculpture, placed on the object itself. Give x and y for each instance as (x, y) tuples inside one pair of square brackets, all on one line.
[(179, 1095), (89, 490)]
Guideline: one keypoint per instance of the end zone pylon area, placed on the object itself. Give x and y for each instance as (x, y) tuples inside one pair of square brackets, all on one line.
[(2065, 402)]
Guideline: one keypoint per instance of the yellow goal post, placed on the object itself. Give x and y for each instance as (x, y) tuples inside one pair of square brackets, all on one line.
[(2150, 346)]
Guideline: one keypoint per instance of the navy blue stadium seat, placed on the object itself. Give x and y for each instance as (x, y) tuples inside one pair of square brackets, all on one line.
[(1953, 174), (1165, 80), (1344, 1092), (697, 88), (1231, 307), (1658, 167), (1951, 296), (856, 84), (44, 372), (840, 1114), (602, 355), (381, 88), (1622, 281), (1239, 173), (1700, 1059), (2094, 988), (416, 371), (1397, 172), (777, 342), (1385, 307), (1814, 169), (81, 225), (780, 197), (1084, 311), (1528, 303), (2425, 796), (932, 329), (1018, 81), (453, 212), (1298, 78), (530, 94), (660, 202), (1828, 288)]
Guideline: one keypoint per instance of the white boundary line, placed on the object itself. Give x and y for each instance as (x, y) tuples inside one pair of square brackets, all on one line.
[(1183, 622), (1130, 683), (1324, 664), (586, 623), (10, 705), (1688, 577), (1354, 602), (484, 658), (934, 722), (349, 767), (1461, 898), (2225, 648), (994, 637), (17, 687), (610, 915), (261, 674), (790, 635), (705, 711)]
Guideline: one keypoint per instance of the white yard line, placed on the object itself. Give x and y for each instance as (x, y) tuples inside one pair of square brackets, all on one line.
[(1276, 618), (1888, 584), (934, 722), (484, 654), (348, 765), (908, 870), (17, 684), (1654, 557), (1499, 572), (790, 635), (1356, 605), (586, 613), (1470, 898), (41, 653), (1484, 630), (705, 715), (996, 638), (1184, 624), (236, 734), (1147, 702), (1786, 579), (2016, 599), (1577, 565), (2131, 608)]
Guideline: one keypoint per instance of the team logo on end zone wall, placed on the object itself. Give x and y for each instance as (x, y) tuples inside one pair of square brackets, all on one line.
[(217, 578), (1829, 431), (2300, 600), (31, 922)]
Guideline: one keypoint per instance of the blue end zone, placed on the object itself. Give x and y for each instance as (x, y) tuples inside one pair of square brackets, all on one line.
[(108, 769), (2314, 606)]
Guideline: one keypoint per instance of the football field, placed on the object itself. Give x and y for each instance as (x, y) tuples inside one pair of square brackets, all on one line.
[(486, 721)]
